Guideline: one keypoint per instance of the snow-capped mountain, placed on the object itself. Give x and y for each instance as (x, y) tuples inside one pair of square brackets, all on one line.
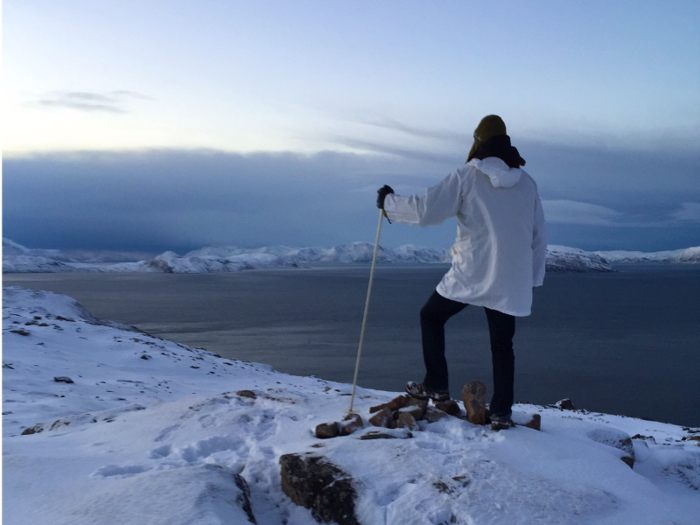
[(217, 259), (565, 259), (103, 424), (685, 256)]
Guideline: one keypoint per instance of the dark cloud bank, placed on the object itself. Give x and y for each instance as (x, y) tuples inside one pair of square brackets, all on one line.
[(184, 199)]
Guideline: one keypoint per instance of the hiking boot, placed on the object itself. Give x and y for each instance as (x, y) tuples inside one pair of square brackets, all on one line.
[(420, 391), (499, 422)]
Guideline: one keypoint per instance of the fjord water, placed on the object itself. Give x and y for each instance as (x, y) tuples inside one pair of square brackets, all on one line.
[(623, 343)]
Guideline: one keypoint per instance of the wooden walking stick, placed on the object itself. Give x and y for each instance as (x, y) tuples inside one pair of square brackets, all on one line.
[(364, 318)]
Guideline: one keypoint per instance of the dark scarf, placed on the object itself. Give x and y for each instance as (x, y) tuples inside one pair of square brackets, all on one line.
[(499, 146)]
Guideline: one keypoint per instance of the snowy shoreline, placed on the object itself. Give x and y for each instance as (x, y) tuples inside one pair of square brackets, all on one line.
[(218, 259), (151, 428)]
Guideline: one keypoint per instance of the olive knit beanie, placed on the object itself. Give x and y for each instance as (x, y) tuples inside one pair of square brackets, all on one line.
[(490, 126)]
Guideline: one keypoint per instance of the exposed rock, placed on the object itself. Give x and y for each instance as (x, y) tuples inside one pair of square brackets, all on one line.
[(406, 420), (419, 406), (383, 418), (374, 434), (629, 461), (20, 331), (327, 430), (527, 420), (565, 404), (645, 438), (315, 483), (614, 438), (535, 422), (39, 427), (433, 414), (350, 424), (59, 423), (63, 379), (394, 404), (246, 393), (474, 398), (243, 499), (450, 407), (416, 412)]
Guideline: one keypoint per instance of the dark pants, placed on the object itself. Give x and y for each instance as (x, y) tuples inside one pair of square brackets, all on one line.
[(433, 317)]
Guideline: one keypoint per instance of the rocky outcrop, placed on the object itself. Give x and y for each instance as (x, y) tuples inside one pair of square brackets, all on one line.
[(317, 484), (565, 404), (474, 398), (616, 439), (350, 424), (449, 407)]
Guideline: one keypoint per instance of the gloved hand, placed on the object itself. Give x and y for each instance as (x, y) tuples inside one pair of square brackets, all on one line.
[(381, 195)]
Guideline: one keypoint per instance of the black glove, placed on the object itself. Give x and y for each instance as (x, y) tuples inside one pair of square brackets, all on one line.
[(381, 195)]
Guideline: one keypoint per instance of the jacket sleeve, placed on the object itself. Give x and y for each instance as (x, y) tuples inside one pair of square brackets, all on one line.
[(439, 203), (539, 245)]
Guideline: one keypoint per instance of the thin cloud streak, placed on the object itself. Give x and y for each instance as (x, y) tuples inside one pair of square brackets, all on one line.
[(111, 102)]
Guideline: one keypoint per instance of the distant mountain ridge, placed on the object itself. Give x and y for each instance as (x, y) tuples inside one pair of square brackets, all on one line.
[(218, 259)]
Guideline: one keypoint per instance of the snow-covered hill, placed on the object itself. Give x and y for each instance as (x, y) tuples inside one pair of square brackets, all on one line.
[(565, 259), (685, 256), (213, 259), (106, 425), (216, 259)]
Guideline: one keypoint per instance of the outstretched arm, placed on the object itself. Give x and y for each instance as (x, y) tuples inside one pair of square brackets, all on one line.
[(439, 203)]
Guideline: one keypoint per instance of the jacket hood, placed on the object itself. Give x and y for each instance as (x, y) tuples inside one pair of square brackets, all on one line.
[(498, 172)]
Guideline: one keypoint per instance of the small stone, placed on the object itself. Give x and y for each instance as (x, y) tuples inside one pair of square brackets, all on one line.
[(394, 404), (628, 461), (416, 412), (351, 423), (534, 423), (474, 398), (450, 407), (327, 430), (246, 393), (376, 435), (63, 379), (421, 404), (433, 414), (319, 485), (145, 357), (406, 420), (383, 418), (20, 332), (565, 404), (39, 427)]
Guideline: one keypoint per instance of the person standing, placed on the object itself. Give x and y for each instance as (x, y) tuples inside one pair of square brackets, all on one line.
[(498, 256)]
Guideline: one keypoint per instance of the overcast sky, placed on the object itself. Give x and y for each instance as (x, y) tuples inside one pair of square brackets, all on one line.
[(153, 125)]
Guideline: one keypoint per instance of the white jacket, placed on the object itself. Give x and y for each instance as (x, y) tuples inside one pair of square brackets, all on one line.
[(501, 245)]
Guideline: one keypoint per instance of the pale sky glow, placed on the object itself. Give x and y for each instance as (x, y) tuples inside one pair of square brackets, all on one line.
[(243, 122), (303, 76)]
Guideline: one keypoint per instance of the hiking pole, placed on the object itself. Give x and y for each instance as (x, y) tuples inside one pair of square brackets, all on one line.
[(364, 318)]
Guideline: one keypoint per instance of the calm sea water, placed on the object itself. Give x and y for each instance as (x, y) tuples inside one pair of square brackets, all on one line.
[(623, 343)]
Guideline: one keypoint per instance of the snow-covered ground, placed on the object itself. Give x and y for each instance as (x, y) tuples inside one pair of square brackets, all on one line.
[(151, 431)]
